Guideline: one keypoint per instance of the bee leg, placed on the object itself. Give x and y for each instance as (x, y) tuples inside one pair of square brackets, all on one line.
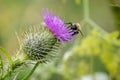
[(69, 23)]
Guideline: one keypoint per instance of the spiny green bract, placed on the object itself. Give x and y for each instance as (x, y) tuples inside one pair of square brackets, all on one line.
[(40, 44)]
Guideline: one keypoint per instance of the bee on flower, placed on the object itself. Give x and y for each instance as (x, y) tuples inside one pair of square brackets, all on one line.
[(42, 43), (58, 27)]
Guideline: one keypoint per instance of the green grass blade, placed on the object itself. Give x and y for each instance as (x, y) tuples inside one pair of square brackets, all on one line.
[(7, 54), (1, 68)]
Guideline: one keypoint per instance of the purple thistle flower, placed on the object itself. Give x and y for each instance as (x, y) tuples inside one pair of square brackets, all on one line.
[(56, 26)]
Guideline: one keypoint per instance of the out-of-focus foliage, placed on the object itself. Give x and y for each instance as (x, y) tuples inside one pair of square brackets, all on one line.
[(96, 53)]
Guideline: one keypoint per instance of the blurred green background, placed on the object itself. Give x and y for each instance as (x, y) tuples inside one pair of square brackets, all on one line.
[(92, 57)]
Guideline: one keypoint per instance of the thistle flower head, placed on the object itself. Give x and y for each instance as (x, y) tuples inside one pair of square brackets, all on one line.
[(56, 26)]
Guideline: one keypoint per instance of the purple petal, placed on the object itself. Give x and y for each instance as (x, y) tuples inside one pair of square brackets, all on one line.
[(56, 26)]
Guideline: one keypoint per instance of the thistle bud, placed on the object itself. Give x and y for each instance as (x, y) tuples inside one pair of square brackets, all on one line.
[(40, 44)]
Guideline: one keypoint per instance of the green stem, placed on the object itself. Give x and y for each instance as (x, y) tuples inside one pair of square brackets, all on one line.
[(91, 63), (7, 73), (27, 77), (86, 8), (87, 17), (16, 64), (1, 67), (93, 24)]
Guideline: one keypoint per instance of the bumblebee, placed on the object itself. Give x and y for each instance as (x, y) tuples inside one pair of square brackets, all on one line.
[(75, 28)]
